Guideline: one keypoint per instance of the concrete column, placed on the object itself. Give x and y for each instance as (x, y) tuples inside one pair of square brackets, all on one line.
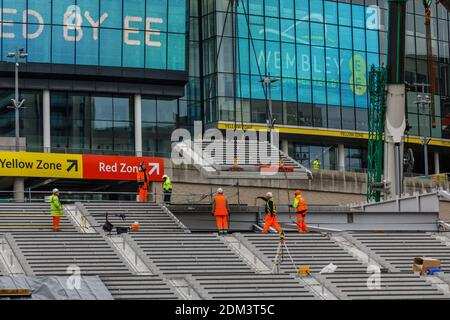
[(436, 163), (138, 124), (285, 146), (46, 120), (341, 157), (19, 189)]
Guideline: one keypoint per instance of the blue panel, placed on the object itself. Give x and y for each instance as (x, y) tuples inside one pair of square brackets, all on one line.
[(302, 31), (287, 9), (302, 9), (14, 10), (114, 11), (331, 36), (318, 63), (332, 64), (330, 12), (177, 14), (110, 38), (272, 29), (359, 39), (304, 91), (176, 44), (42, 7), (358, 16), (345, 37), (316, 10), (319, 92), (273, 56), (289, 89), (334, 93), (345, 17), (303, 62), (62, 51), (255, 7), (287, 30), (288, 60), (317, 34)]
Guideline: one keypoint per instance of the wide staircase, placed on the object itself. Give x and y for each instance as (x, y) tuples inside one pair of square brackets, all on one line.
[(243, 159)]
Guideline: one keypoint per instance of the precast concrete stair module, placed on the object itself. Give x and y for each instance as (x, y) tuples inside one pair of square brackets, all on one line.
[(151, 217), (399, 249), (310, 249), (29, 218), (137, 287), (253, 287), (187, 253), (398, 286)]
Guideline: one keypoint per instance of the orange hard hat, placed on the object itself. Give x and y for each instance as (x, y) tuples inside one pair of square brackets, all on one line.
[(297, 192)]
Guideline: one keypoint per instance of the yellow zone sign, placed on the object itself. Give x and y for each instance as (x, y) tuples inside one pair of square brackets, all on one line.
[(41, 165)]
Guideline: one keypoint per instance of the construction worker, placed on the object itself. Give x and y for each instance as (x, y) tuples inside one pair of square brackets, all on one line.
[(316, 164), (271, 214), (56, 209), (301, 208), (220, 210), (142, 180), (167, 189)]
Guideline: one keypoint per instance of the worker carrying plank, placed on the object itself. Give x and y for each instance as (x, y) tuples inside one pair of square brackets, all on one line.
[(301, 207), (220, 210), (142, 180), (271, 213)]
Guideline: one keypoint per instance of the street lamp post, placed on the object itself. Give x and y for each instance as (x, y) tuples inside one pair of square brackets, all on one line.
[(424, 101), (268, 81), (19, 194), (19, 54)]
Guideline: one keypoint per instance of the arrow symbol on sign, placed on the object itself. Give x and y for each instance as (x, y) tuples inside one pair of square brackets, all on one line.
[(155, 168), (74, 164)]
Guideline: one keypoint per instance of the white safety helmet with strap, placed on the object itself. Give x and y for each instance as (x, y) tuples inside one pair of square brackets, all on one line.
[(269, 195), (55, 190), (220, 191)]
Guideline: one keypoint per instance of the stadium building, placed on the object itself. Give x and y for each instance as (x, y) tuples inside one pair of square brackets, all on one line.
[(118, 77)]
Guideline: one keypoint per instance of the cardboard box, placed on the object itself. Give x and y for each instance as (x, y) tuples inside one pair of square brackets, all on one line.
[(422, 264)]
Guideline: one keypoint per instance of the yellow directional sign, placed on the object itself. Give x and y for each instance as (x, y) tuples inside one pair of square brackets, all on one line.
[(41, 165)]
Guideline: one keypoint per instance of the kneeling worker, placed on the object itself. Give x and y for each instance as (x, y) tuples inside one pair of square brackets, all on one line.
[(271, 214), (220, 210), (301, 208), (56, 209)]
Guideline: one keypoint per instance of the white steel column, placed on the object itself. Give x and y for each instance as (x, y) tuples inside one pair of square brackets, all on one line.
[(46, 120), (138, 124), (341, 157), (436, 163)]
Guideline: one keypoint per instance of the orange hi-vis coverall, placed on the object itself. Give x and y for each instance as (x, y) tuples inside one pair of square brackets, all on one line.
[(302, 208), (221, 212), (142, 180), (271, 217)]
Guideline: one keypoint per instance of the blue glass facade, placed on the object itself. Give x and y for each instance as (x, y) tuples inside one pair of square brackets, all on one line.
[(142, 34), (320, 56)]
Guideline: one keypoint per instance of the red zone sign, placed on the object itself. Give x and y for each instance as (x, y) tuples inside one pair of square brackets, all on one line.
[(120, 168)]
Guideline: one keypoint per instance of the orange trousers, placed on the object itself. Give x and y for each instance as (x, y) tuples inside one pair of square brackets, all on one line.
[(143, 195), (271, 221), (222, 222), (301, 224), (56, 221)]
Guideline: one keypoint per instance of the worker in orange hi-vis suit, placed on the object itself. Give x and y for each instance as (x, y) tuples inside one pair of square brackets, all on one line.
[(301, 208), (221, 210), (271, 214), (142, 180)]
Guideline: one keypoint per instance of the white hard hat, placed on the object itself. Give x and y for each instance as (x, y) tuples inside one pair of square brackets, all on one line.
[(55, 190), (164, 176), (220, 190), (269, 194)]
